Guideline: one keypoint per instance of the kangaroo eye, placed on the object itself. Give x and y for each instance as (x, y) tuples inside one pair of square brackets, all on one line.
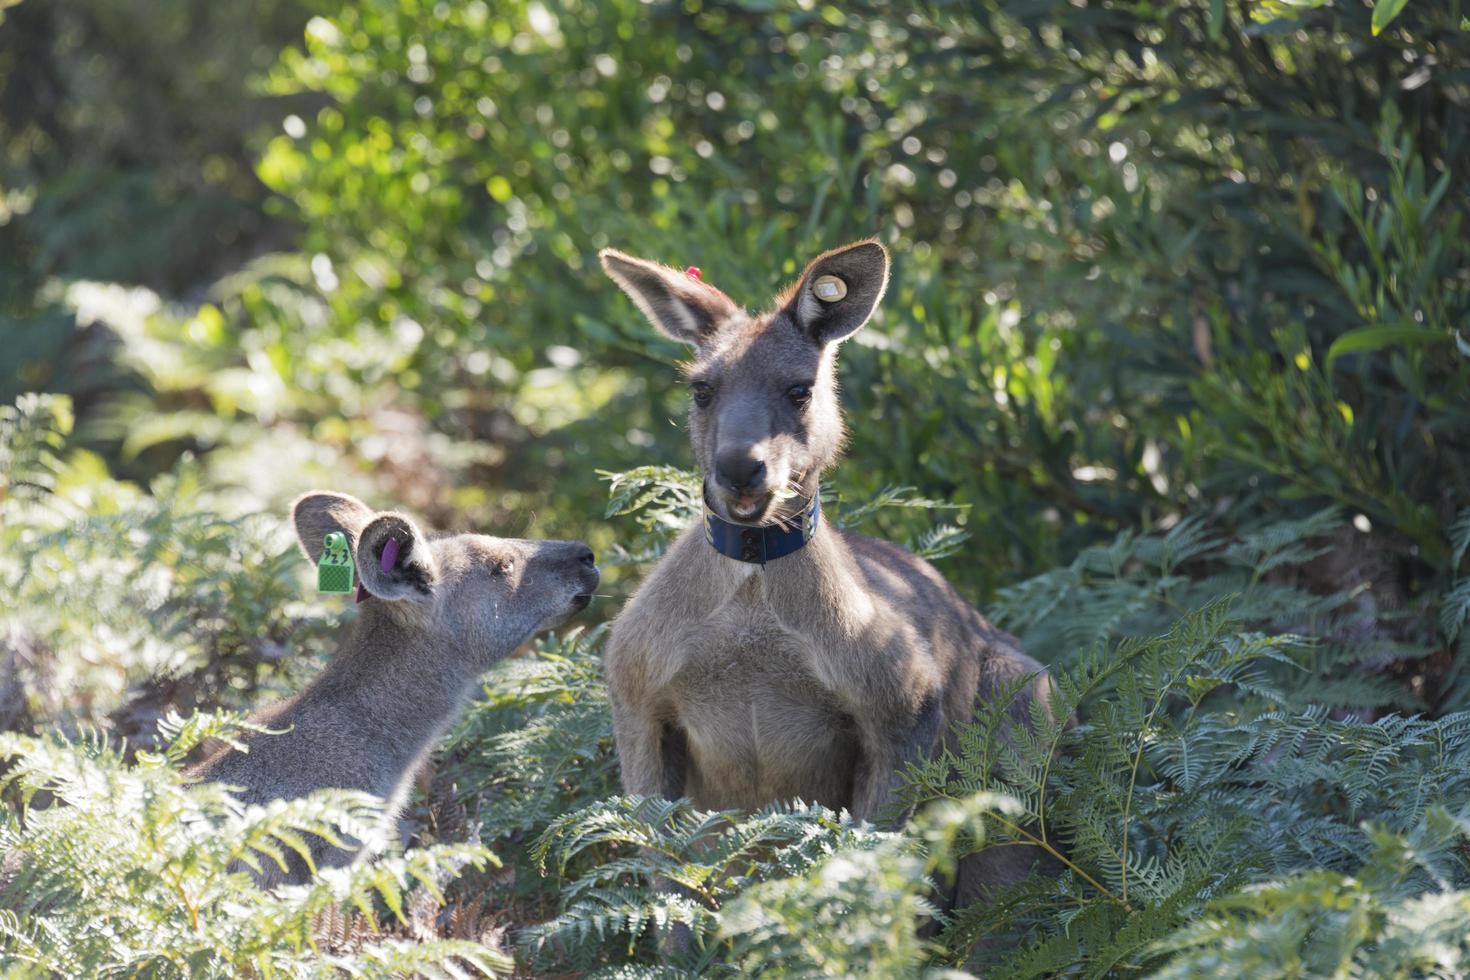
[(502, 568), (799, 394), (702, 393)]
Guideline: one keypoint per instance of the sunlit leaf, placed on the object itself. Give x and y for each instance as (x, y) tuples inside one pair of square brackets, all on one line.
[(1384, 11)]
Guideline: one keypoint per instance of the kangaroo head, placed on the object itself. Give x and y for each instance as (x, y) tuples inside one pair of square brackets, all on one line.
[(764, 417), (473, 596)]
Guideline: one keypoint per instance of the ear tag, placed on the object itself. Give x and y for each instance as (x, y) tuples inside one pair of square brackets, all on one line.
[(334, 572), (829, 289)]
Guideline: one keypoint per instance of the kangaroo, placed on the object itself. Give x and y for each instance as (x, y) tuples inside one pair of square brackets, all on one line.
[(436, 613), (767, 655)]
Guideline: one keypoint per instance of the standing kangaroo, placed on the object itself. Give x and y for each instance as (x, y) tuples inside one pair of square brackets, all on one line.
[(769, 656), (437, 614)]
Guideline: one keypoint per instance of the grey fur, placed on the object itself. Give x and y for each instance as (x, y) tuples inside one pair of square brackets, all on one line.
[(824, 673), (450, 607)]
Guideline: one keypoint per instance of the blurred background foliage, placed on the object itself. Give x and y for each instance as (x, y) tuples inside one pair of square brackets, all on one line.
[(1156, 261), (1150, 258)]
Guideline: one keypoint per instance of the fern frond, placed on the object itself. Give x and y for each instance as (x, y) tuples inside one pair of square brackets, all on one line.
[(159, 860)]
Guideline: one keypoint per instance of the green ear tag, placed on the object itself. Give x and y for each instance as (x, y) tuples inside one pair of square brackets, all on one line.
[(334, 571)]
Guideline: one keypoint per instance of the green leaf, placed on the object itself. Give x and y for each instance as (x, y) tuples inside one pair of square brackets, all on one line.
[(1454, 610), (1459, 537), (1384, 13), (1379, 337), (1217, 19)]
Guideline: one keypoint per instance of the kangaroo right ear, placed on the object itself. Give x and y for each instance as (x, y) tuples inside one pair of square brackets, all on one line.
[(320, 512), (393, 559), (838, 291), (681, 307)]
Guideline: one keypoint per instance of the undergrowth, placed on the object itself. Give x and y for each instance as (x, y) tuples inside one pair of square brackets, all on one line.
[(111, 868), (1241, 773), (1173, 356), (1247, 753)]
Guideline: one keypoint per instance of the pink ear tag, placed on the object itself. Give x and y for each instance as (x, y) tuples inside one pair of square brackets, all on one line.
[(693, 272), (386, 563)]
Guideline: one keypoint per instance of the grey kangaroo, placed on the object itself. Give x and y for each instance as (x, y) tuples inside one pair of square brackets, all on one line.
[(770, 656), (438, 612)]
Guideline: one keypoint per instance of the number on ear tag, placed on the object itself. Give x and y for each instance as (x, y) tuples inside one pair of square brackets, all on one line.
[(829, 289), (334, 573)]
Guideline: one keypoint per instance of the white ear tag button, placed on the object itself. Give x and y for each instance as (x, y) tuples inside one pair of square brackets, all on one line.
[(829, 289)]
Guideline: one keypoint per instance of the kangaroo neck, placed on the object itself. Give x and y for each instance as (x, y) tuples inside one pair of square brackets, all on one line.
[(817, 593), (388, 675), (821, 563)]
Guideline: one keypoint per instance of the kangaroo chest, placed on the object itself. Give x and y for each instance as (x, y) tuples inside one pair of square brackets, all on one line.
[(759, 726)]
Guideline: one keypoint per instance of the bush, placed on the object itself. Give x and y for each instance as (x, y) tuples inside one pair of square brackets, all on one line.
[(129, 869), (1205, 775), (1171, 377), (127, 603)]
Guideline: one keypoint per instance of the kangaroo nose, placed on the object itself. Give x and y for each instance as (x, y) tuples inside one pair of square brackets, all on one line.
[(586, 557), (742, 474)]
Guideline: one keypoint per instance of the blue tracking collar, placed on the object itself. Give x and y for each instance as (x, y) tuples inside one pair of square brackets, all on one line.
[(758, 545)]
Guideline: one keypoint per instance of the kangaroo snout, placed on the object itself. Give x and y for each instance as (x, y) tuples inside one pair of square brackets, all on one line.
[(573, 556), (741, 473), (746, 485), (579, 565), (587, 568)]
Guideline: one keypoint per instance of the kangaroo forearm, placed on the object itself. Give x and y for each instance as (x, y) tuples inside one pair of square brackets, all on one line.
[(653, 754), (886, 753), (673, 760), (874, 791), (641, 768)]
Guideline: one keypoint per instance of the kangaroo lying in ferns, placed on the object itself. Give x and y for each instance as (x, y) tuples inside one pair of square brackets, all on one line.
[(438, 613), (769, 656)]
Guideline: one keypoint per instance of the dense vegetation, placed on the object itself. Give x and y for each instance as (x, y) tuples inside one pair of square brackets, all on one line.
[(1173, 379)]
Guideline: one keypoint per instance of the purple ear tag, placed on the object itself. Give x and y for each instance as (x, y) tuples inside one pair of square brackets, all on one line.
[(386, 563)]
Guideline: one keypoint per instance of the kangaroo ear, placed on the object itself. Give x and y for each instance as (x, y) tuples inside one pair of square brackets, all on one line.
[(681, 307), (393, 559), (318, 513), (838, 291)]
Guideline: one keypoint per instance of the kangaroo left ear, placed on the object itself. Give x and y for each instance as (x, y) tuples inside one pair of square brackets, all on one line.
[(838, 291), (393, 559), (318, 513), (679, 307)]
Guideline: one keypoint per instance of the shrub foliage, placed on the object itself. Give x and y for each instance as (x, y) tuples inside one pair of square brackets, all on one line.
[(1172, 378), (128, 869)]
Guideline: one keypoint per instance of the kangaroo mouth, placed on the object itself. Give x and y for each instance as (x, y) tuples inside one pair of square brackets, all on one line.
[(590, 580), (748, 507), (756, 509)]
